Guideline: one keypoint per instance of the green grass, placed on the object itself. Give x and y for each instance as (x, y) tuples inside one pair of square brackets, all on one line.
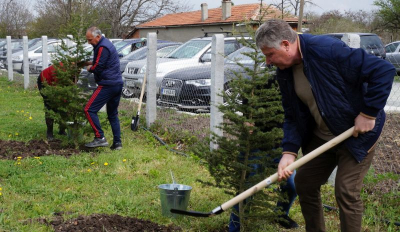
[(128, 185)]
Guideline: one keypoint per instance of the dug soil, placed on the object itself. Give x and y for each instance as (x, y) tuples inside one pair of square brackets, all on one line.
[(34, 148), (103, 222)]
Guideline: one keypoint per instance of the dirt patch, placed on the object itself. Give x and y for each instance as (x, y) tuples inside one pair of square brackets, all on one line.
[(388, 148), (34, 148), (103, 222)]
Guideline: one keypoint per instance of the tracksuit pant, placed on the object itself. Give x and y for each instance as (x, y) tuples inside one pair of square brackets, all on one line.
[(110, 95), (348, 184)]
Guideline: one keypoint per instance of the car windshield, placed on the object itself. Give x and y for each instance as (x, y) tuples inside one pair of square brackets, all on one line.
[(37, 45), (189, 49), (370, 41), (239, 56), (121, 44), (138, 54)]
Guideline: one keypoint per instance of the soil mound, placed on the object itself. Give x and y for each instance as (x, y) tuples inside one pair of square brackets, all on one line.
[(103, 222)]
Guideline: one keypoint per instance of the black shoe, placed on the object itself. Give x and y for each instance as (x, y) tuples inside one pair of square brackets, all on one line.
[(97, 142), (286, 222), (50, 136), (116, 146)]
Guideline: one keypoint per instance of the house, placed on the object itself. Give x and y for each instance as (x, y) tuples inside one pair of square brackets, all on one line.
[(187, 25)]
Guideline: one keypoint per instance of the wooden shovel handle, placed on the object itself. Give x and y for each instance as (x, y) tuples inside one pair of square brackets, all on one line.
[(142, 92), (273, 178)]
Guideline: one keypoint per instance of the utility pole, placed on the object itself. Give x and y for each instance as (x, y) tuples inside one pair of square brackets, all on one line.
[(299, 24)]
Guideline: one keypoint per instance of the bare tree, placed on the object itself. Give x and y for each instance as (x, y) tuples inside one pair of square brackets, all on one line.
[(292, 5), (14, 17), (122, 15), (56, 15)]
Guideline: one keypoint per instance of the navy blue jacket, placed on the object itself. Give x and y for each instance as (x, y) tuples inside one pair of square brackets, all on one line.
[(106, 64), (344, 82)]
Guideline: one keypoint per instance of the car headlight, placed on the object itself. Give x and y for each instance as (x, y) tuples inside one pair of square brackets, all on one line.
[(199, 82), (143, 69), (17, 58)]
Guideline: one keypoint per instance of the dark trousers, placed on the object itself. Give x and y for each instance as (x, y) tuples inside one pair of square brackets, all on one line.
[(348, 184), (109, 95)]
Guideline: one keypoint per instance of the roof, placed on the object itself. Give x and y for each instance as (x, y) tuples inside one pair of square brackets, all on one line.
[(239, 13)]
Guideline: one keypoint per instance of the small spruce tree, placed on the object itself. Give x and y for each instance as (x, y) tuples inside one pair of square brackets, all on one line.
[(66, 97), (253, 116)]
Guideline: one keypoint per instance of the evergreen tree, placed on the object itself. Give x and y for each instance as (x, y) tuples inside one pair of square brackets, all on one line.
[(253, 116), (66, 96)]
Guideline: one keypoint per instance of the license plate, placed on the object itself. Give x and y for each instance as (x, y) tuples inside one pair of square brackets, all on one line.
[(130, 83), (168, 92)]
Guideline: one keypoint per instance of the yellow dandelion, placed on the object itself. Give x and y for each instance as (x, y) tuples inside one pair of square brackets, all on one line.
[(1, 194), (124, 160), (40, 163), (89, 170), (9, 135), (105, 164), (16, 133), (92, 163), (22, 111), (17, 111), (36, 157), (18, 163), (1, 188), (19, 157), (30, 117)]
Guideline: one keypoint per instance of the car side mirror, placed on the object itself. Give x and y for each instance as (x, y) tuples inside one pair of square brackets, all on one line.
[(206, 58)]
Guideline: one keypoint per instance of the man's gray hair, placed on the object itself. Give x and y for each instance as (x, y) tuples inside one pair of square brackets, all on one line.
[(271, 33), (95, 31)]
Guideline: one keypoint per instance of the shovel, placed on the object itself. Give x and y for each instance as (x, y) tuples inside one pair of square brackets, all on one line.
[(270, 180), (135, 120)]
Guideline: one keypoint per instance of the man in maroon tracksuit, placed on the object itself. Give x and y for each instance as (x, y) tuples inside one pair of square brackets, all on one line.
[(106, 70), (48, 76)]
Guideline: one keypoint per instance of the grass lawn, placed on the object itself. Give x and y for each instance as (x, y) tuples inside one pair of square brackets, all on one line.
[(121, 182)]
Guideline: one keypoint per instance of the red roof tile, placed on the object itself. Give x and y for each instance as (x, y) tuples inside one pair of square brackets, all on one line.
[(239, 13)]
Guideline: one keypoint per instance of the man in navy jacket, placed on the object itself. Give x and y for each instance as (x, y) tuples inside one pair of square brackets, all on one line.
[(327, 87), (105, 67)]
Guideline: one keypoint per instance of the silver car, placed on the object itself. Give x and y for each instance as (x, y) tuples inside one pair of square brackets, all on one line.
[(195, 52), (393, 54)]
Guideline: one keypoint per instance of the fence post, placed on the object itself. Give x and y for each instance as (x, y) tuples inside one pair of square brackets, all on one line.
[(25, 62), (9, 60), (45, 55), (217, 84), (151, 83)]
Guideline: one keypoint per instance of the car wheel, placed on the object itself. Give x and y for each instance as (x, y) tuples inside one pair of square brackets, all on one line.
[(127, 93), (228, 92)]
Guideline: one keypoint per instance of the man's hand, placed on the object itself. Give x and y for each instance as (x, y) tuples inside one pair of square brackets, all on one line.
[(286, 160), (363, 124)]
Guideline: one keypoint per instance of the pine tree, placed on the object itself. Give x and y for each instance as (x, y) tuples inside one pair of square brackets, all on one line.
[(252, 133), (66, 96)]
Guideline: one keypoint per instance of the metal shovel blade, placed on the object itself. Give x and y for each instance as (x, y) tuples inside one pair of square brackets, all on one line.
[(135, 122), (216, 211)]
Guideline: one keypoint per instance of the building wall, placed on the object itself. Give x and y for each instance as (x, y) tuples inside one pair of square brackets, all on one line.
[(183, 34)]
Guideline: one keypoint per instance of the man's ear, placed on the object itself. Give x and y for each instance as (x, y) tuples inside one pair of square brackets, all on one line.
[(285, 43)]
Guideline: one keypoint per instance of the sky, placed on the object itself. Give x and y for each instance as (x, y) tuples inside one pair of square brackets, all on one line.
[(324, 5)]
